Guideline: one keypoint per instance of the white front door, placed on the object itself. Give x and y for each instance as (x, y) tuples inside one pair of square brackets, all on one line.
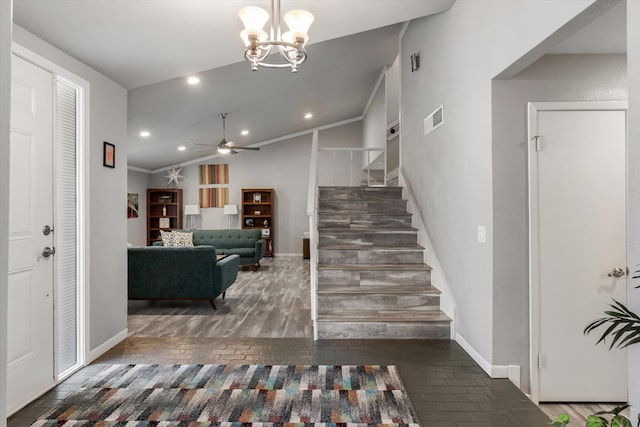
[(578, 236), (30, 334)]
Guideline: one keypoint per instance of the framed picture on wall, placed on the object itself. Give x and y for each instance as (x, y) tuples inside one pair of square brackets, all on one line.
[(109, 155)]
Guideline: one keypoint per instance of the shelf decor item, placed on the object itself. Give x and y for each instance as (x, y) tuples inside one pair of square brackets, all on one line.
[(258, 210)]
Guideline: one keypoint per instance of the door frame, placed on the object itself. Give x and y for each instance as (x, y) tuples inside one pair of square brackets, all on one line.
[(532, 162), (83, 216)]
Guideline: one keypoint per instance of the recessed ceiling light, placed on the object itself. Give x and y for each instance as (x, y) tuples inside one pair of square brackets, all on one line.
[(193, 80), (244, 132), (182, 148), (145, 133), (308, 116)]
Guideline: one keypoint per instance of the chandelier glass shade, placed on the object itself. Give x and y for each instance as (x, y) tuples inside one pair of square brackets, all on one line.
[(290, 45)]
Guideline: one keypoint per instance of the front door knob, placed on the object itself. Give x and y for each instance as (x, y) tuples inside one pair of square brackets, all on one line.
[(47, 252)]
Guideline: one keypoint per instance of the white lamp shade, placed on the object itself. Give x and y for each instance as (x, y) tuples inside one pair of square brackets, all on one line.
[(253, 18), (299, 22), (191, 210), (230, 209)]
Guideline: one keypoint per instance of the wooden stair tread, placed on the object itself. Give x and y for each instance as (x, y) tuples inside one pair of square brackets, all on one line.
[(367, 200), (380, 230), (367, 246), (354, 212), (375, 289), (385, 316), (376, 267)]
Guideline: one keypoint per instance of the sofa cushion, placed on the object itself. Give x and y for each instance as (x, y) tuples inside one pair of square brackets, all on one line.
[(228, 239), (243, 252), (167, 238), (182, 239)]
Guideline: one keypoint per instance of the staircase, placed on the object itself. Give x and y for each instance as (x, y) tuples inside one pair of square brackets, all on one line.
[(372, 281)]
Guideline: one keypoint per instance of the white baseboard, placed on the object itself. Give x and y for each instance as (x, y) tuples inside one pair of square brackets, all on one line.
[(107, 345), (512, 372), (486, 366)]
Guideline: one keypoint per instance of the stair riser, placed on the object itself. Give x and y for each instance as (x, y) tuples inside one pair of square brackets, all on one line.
[(389, 207), (369, 256), (358, 193), (360, 221), (354, 303), (373, 278), (369, 239), (383, 330)]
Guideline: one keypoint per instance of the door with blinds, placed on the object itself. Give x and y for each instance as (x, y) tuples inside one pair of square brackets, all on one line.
[(43, 339)]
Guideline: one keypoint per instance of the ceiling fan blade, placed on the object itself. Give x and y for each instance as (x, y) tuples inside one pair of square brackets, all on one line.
[(202, 145), (247, 148), (204, 149)]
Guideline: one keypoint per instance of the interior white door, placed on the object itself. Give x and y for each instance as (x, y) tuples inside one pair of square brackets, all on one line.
[(30, 335), (580, 228)]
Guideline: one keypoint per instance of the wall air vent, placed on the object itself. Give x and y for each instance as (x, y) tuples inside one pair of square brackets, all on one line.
[(434, 120)]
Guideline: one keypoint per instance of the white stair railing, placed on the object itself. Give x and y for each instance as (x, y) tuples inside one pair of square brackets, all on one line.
[(312, 212), (364, 165)]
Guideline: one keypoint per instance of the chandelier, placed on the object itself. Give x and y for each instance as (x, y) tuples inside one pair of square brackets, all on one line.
[(290, 45)]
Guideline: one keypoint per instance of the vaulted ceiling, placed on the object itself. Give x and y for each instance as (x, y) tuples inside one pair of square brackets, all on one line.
[(150, 46)]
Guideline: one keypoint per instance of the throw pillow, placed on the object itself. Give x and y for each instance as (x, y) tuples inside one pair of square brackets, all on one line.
[(167, 238), (182, 238)]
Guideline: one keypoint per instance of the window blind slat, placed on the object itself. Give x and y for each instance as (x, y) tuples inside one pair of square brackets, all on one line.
[(66, 228)]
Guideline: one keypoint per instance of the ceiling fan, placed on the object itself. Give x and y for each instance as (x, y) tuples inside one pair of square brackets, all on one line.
[(224, 146)]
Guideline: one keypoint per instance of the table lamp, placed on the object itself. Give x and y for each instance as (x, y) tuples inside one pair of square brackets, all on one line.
[(230, 210), (190, 211)]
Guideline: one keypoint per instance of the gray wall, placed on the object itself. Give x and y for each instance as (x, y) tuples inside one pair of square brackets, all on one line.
[(5, 107), (449, 171), (551, 78), (283, 166), (138, 182), (633, 239), (106, 226)]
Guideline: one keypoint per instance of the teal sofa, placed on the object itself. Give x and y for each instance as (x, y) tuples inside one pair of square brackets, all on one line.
[(246, 243), (179, 273)]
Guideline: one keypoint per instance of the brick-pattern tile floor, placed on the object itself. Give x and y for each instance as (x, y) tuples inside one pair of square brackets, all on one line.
[(446, 387)]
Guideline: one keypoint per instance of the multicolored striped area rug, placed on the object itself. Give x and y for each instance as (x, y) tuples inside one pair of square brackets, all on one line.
[(238, 396)]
